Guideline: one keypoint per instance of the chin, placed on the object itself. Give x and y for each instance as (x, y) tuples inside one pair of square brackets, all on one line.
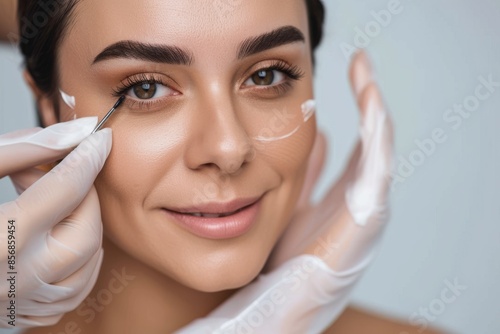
[(224, 270), (221, 279)]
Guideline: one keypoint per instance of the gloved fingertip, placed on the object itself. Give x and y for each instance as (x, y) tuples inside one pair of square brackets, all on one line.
[(88, 157), (371, 107), (83, 124), (65, 134), (361, 73)]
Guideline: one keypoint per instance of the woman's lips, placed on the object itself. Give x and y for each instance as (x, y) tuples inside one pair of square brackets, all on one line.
[(218, 220)]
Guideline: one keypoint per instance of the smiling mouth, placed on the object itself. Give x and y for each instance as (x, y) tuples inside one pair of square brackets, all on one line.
[(213, 215), (219, 220), (218, 210)]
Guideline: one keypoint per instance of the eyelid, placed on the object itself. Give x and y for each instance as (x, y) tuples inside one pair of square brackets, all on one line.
[(292, 73), (277, 64), (138, 78), (145, 105)]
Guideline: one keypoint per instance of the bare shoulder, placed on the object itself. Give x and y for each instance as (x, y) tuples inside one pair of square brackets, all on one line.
[(358, 321), (354, 320)]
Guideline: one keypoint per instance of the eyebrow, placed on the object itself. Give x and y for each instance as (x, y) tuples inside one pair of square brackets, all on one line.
[(148, 52), (177, 56), (270, 40)]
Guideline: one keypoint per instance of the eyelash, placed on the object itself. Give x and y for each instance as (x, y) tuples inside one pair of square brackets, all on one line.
[(134, 80), (292, 73), (137, 79)]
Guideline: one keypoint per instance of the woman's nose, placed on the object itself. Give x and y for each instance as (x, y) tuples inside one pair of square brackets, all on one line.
[(217, 137)]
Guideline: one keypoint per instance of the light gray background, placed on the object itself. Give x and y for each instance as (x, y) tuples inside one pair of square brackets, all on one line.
[(445, 222)]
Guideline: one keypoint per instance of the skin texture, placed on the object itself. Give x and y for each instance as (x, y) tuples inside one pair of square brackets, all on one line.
[(167, 156)]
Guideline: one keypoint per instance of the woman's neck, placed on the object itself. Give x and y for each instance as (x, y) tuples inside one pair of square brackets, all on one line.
[(131, 297)]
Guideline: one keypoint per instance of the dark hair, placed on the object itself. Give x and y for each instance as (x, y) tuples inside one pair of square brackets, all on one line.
[(42, 25)]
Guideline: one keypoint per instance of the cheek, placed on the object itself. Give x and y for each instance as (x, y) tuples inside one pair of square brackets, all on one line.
[(289, 159), (144, 151), (288, 154)]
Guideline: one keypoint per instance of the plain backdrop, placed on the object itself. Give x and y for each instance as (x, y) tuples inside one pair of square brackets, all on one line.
[(445, 224)]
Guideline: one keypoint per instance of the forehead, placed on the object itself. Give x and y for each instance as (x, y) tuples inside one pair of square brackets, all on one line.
[(192, 24)]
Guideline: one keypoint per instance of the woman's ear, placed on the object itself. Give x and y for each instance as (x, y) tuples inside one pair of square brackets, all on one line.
[(45, 104)]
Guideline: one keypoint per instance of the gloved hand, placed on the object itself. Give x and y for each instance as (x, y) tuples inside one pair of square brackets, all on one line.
[(54, 245), (310, 274)]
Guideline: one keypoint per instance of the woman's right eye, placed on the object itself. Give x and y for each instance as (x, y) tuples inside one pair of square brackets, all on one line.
[(149, 90)]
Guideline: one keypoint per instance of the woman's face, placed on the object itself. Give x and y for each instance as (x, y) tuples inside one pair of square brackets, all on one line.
[(188, 140)]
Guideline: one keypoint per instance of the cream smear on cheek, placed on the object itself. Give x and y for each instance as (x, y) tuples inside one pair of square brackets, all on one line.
[(69, 100), (308, 110)]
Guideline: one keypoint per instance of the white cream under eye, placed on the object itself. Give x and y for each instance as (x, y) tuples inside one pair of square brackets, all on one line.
[(69, 100)]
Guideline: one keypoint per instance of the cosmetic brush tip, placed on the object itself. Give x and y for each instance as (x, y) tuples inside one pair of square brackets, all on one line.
[(120, 100), (108, 115)]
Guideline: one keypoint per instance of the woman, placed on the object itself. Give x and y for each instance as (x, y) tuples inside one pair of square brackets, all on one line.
[(210, 150)]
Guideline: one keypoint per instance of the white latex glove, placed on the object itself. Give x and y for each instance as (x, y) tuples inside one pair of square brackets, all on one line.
[(58, 228), (327, 246)]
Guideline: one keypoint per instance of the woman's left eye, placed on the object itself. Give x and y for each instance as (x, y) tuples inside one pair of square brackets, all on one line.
[(267, 77), (149, 90)]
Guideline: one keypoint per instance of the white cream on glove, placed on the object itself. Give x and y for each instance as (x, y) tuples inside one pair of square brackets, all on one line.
[(58, 228), (327, 247)]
